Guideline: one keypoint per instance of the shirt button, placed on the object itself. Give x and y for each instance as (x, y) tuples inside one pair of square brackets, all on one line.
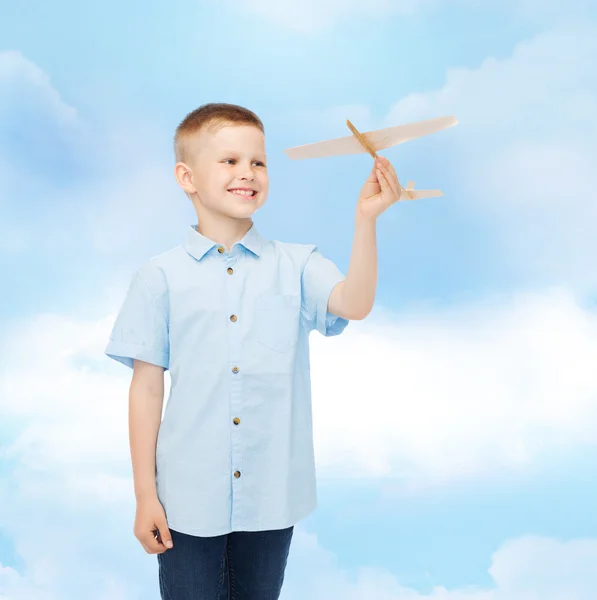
[(230, 270), (237, 474), (236, 420), (221, 249), (233, 318), (235, 369)]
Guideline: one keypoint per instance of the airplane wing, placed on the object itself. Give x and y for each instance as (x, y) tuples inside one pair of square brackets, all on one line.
[(378, 138)]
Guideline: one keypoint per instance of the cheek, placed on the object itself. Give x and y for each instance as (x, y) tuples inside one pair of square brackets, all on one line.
[(219, 181)]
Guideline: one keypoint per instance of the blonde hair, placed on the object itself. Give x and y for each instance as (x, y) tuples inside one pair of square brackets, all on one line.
[(211, 116)]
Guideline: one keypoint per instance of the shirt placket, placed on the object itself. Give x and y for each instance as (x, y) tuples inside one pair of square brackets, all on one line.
[(235, 316)]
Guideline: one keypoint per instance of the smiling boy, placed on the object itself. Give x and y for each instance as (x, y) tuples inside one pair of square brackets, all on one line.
[(221, 481)]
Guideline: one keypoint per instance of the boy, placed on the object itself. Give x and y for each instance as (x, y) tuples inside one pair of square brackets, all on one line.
[(221, 482)]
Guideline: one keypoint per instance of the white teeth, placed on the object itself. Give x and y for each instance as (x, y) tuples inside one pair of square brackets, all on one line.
[(242, 192)]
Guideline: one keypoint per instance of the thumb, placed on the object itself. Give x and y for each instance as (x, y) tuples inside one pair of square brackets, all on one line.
[(165, 534)]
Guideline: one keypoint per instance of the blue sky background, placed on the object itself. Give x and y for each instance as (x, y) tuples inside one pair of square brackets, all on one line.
[(456, 427)]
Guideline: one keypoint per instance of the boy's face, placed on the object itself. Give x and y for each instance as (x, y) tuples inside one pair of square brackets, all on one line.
[(232, 157)]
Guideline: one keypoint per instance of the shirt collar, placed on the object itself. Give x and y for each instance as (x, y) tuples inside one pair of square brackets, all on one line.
[(197, 245)]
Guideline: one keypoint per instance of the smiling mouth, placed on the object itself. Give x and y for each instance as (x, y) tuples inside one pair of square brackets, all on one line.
[(243, 194)]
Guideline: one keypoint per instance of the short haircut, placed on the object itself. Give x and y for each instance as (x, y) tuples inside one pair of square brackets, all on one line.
[(211, 116)]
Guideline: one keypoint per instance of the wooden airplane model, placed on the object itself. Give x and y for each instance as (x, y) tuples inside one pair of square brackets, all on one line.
[(371, 142)]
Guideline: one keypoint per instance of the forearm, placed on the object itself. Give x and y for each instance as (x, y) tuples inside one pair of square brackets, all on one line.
[(358, 292), (145, 412)]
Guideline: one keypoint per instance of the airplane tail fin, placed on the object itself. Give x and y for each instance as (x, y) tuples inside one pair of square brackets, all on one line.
[(410, 194)]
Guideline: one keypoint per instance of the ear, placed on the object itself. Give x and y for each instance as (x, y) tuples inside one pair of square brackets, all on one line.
[(184, 177)]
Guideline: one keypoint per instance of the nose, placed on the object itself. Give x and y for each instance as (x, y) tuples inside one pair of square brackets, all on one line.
[(246, 173)]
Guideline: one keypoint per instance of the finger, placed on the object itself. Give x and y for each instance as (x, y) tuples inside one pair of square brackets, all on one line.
[(393, 171), (396, 187), (389, 167), (373, 174), (164, 534), (156, 546), (392, 179), (152, 544), (390, 194)]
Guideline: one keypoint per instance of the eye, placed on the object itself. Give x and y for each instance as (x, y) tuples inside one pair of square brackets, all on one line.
[(255, 161)]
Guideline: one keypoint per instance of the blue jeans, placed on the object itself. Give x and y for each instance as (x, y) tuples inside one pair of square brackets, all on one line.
[(242, 565)]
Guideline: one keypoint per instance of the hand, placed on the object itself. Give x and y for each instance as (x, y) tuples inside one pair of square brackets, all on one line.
[(381, 190), (149, 520)]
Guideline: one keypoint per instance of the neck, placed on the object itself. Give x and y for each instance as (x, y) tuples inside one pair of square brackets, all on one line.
[(223, 230)]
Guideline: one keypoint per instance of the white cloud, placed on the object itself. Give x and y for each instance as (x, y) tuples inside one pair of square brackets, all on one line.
[(32, 114), (26, 85), (432, 396), (107, 186), (526, 146), (526, 568)]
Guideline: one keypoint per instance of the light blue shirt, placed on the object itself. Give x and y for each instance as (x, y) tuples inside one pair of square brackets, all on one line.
[(235, 447)]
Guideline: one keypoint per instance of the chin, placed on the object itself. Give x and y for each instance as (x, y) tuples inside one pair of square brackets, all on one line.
[(248, 209), (241, 213)]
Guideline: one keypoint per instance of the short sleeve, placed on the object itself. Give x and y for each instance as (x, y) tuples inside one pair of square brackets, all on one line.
[(141, 327), (320, 276)]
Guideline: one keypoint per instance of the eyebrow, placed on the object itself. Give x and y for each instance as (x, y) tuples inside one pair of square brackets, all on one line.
[(236, 153)]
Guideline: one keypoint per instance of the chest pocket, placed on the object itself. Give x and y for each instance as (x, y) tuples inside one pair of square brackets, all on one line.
[(276, 321)]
